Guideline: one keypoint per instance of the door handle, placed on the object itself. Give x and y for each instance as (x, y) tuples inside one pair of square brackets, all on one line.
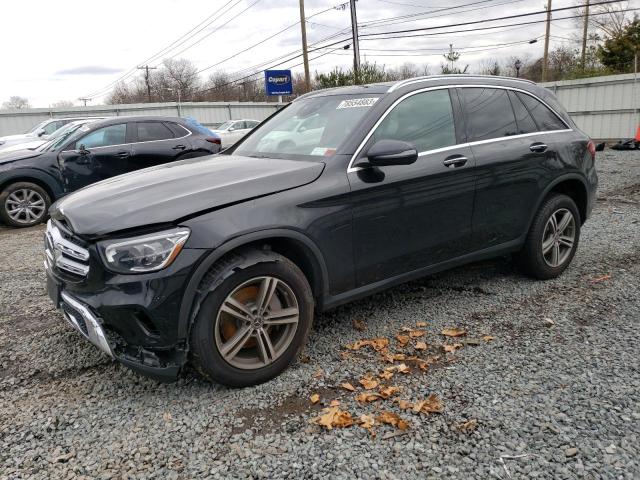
[(179, 147), (123, 154), (538, 147), (455, 161)]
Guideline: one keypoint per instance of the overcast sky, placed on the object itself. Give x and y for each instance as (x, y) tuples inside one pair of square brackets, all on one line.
[(55, 51)]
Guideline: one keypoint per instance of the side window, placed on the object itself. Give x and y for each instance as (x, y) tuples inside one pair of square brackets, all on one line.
[(424, 119), (150, 131), (104, 137), (239, 126), (52, 127), (523, 118), (545, 118), (488, 113)]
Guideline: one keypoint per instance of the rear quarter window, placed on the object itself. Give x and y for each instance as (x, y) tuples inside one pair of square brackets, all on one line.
[(543, 116), (488, 113)]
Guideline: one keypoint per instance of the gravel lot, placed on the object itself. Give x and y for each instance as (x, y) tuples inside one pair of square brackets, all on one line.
[(555, 394)]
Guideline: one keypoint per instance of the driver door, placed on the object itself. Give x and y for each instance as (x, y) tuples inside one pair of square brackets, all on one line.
[(100, 154)]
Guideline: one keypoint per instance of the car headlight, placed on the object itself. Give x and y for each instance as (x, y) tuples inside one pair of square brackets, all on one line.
[(146, 253)]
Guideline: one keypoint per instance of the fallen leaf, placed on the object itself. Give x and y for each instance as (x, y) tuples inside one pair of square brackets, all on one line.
[(315, 398), (386, 392), (454, 332), (488, 338), (402, 368), (368, 422), (394, 419), (452, 348), (404, 405), (601, 278), (376, 343), (402, 339), (468, 426), (432, 404), (417, 333), (166, 416), (386, 375), (421, 346), (334, 403), (366, 397), (368, 383), (359, 325), (549, 323), (348, 386), (421, 324), (319, 373), (305, 358), (333, 417), (345, 355)]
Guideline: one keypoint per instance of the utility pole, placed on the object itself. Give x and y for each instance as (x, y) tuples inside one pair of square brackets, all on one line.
[(85, 100), (146, 69), (584, 35), (356, 45), (305, 55), (545, 60)]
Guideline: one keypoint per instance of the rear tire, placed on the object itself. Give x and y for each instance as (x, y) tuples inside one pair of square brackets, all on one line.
[(24, 204), (552, 240), (237, 339)]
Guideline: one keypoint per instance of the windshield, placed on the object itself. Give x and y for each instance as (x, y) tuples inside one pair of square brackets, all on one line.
[(61, 136), (225, 125), (37, 127), (311, 127)]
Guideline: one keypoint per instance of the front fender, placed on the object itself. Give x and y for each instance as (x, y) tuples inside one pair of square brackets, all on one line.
[(52, 184)]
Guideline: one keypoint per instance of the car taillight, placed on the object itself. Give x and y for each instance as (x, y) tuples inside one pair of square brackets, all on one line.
[(213, 140), (592, 148)]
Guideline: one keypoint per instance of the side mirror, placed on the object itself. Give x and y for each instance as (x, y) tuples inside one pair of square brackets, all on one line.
[(391, 152), (82, 150), (40, 132)]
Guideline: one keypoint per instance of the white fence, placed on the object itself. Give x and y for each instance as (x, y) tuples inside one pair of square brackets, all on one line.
[(606, 108), (207, 113)]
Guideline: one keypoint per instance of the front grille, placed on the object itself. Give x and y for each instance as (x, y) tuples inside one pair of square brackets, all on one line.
[(62, 253)]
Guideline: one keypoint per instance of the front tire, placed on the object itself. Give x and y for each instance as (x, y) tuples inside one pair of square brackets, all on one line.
[(24, 204), (552, 240), (255, 316)]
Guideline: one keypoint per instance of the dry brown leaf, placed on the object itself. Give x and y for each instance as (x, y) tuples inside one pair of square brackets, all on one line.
[(402, 339), (468, 426), (386, 392), (422, 364), (334, 403), (421, 346), (601, 278), (359, 325), (417, 333), (402, 368), (319, 373), (368, 382), (345, 355), (451, 348), (368, 422), (315, 398), (333, 417), (404, 405), (386, 375), (305, 358), (454, 332), (366, 397), (166, 416), (376, 343), (488, 338), (432, 404), (394, 419), (421, 324), (348, 386)]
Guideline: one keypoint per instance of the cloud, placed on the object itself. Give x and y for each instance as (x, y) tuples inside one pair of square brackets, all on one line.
[(89, 70)]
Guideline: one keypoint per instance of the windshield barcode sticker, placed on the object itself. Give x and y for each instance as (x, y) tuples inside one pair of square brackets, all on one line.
[(357, 102)]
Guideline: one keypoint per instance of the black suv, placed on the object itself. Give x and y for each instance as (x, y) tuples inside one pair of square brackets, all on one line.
[(31, 179), (222, 261)]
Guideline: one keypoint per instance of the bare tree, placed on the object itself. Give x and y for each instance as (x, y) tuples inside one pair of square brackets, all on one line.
[(490, 66), (62, 104), (180, 74), (16, 102), (609, 20)]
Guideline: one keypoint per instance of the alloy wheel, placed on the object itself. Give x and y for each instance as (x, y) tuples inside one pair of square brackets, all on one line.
[(25, 206), (559, 237), (256, 323)]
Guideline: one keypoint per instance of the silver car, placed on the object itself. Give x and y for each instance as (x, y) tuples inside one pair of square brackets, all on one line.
[(46, 127), (233, 130)]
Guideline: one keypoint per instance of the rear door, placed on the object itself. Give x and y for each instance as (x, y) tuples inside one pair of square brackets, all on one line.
[(100, 154), (511, 163), (407, 217), (157, 142)]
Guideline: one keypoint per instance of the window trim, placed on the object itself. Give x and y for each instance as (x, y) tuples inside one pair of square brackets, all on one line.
[(351, 168), (137, 126), (136, 143)]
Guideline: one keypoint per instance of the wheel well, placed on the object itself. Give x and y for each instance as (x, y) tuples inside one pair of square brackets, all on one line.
[(35, 181), (578, 193)]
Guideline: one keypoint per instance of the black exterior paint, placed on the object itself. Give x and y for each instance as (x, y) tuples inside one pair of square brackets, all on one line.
[(353, 231), (66, 169)]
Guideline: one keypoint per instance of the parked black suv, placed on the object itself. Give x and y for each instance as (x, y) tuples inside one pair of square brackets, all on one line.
[(222, 261), (31, 179)]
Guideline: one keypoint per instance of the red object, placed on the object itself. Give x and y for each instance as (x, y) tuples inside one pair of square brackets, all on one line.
[(215, 140), (637, 139), (592, 148)]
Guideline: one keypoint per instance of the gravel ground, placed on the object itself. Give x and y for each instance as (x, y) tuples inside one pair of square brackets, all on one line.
[(555, 394)]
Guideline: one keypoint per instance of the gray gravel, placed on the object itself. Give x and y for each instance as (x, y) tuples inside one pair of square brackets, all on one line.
[(555, 394)]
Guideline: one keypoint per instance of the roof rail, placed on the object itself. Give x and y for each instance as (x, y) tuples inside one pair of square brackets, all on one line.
[(426, 78)]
